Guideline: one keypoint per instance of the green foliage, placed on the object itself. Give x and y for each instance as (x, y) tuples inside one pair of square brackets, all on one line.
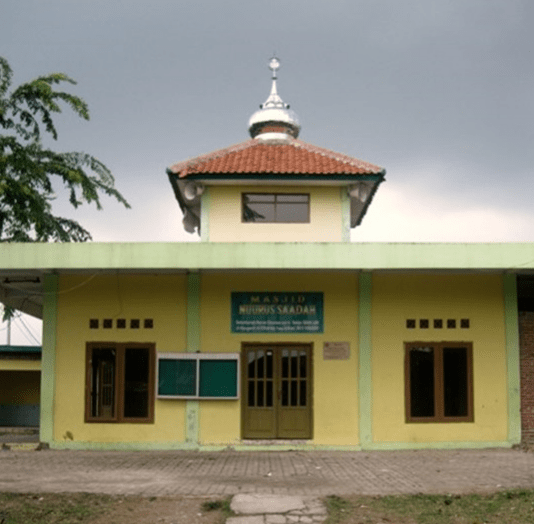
[(27, 169)]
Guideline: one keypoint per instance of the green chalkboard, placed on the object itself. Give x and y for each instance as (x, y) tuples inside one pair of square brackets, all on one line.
[(218, 378), (177, 377)]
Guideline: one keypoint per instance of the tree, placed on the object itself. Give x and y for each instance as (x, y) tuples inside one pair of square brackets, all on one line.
[(28, 169)]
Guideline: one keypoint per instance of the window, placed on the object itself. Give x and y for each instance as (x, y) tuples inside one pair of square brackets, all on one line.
[(276, 207), (439, 382), (198, 375), (120, 382)]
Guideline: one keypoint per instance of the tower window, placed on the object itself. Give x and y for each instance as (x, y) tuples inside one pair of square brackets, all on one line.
[(281, 208)]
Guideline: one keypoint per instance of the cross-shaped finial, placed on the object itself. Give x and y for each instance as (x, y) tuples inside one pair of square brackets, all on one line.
[(274, 65)]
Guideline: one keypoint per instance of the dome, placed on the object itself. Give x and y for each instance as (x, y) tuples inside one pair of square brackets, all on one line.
[(274, 119)]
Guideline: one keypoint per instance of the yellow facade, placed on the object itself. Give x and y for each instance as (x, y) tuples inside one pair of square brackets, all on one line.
[(479, 298), (335, 395), (335, 407), (225, 224), (81, 298)]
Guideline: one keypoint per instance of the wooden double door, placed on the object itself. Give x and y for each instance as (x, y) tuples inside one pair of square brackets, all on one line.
[(277, 391)]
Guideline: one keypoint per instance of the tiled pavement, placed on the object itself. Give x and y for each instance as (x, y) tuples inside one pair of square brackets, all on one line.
[(310, 473)]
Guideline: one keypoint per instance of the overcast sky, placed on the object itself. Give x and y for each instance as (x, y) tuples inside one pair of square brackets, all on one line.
[(439, 92)]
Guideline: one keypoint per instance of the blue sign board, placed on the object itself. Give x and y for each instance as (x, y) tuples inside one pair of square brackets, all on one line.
[(277, 312)]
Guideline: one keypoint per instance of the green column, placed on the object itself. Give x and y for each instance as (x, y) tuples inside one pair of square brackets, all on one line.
[(48, 361), (193, 346), (512, 357), (365, 355)]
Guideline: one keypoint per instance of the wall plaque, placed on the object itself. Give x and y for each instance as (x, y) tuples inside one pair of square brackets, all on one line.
[(277, 312), (336, 351)]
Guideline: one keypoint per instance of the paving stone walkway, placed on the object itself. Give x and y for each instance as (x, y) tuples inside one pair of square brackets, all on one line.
[(276, 509), (303, 473)]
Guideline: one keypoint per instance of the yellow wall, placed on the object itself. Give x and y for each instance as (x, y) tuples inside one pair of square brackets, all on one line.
[(19, 387), (160, 297), (479, 298), (335, 401), (225, 213), (21, 365)]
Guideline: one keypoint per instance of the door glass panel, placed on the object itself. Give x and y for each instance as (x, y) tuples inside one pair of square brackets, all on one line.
[(251, 359), (269, 394), (285, 363), (259, 389), (303, 364), (294, 392), (251, 393), (302, 397), (269, 370), (285, 393), (261, 363), (294, 362)]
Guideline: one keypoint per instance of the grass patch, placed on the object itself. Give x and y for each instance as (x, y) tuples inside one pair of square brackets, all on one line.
[(338, 508), (510, 507), (222, 505), (52, 508)]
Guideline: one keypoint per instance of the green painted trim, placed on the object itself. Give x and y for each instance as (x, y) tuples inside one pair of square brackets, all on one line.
[(511, 328), (365, 349), (48, 358), (345, 214), (192, 407), (205, 205), (176, 256)]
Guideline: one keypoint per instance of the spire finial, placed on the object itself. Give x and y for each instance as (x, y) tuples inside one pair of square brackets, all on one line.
[(274, 65), (274, 119)]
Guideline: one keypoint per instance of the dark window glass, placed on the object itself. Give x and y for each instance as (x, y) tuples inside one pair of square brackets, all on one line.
[(285, 363), (251, 356), (103, 372), (303, 364), (261, 361), (294, 392), (294, 363), (279, 207), (455, 382), (259, 390), (303, 401), (251, 393), (136, 381), (285, 393), (269, 373), (269, 394), (422, 382)]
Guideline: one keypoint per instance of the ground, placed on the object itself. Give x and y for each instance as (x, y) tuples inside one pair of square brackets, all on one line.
[(67, 508)]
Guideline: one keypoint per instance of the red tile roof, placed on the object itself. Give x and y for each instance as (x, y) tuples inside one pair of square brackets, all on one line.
[(291, 157)]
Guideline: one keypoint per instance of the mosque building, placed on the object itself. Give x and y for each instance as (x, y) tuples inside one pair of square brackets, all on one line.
[(275, 331)]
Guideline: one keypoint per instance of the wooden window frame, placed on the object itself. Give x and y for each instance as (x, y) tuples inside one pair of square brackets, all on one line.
[(439, 401), (120, 348), (276, 195)]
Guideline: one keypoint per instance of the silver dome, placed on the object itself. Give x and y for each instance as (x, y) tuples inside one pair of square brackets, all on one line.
[(274, 116)]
